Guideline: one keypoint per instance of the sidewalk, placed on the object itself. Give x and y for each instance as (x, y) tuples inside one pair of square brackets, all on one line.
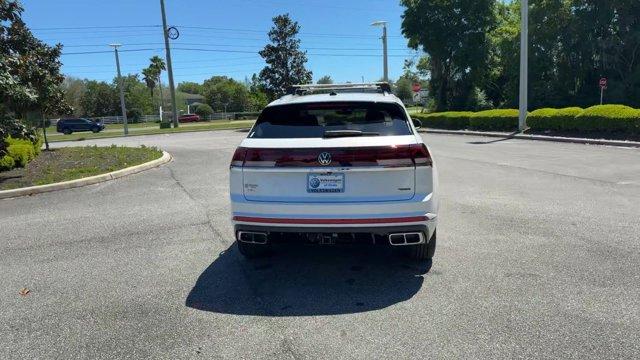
[(506, 135)]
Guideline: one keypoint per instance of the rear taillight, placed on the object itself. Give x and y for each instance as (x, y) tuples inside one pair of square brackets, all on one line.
[(383, 156), (421, 155), (238, 157)]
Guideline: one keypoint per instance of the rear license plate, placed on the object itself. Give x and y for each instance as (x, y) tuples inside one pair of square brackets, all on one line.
[(325, 183)]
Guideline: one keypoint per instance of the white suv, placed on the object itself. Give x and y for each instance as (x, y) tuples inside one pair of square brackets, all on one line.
[(335, 164)]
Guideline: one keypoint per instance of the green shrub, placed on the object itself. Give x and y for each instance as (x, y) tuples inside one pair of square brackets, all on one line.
[(7, 163), (553, 119), (496, 120), (134, 115), (22, 154), (165, 125), (609, 118), (454, 120), (204, 110)]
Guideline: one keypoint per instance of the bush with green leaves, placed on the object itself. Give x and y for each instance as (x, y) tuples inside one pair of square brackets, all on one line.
[(554, 119), (22, 154), (609, 119), (7, 163), (19, 152), (204, 110), (134, 115), (495, 120), (453, 120)]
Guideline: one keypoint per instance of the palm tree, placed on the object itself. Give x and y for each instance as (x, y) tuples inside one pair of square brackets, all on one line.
[(155, 70), (150, 78)]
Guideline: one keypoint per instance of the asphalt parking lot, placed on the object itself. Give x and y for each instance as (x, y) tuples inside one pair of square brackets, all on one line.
[(538, 257)]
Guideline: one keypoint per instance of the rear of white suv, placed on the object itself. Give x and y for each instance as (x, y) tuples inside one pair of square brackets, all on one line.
[(339, 166)]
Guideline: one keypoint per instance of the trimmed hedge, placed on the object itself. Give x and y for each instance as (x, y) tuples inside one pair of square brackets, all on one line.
[(452, 120), (609, 118), (619, 119), (554, 119), (497, 120)]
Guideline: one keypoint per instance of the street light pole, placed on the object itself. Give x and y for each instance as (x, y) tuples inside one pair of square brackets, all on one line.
[(121, 86), (172, 88), (524, 63), (384, 48)]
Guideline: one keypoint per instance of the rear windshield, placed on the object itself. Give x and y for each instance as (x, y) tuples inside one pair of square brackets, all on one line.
[(313, 120)]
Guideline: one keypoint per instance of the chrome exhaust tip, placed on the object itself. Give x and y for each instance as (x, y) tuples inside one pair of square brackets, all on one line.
[(402, 239), (252, 237)]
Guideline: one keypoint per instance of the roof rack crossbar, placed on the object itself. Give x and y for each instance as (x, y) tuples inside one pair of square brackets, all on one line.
[(304, 88)]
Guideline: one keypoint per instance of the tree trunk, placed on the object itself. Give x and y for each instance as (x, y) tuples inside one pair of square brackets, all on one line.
[(44, 131)]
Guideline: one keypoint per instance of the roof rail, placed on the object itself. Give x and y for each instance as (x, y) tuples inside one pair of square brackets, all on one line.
[(324, 88)]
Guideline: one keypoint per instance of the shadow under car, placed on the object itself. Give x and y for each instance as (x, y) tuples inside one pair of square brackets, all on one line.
[(307, 280)]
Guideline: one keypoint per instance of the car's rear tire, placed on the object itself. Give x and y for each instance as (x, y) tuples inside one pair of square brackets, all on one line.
[(67, 131), (423, 251), (252, 251)]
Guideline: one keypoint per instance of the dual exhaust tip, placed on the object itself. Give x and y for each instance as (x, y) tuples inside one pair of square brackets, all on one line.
[(401, 239), (252, 237), (396, 239)]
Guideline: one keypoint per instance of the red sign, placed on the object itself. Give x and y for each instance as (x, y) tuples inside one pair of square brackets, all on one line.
[(416, 87), (603, 82)]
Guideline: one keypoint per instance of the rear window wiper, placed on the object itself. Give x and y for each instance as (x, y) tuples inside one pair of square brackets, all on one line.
[(347, 133)]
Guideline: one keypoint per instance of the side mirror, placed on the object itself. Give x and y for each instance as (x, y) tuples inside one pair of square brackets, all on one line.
[(417, 123)]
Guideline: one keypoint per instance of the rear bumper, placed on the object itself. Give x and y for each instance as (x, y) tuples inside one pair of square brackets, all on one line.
[(376, 235)]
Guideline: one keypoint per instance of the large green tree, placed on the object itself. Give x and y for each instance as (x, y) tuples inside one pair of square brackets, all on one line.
[(222, 92), (191, 87), (454, 35), (325, 80), (100, 99), (30, 77), (285, 61)]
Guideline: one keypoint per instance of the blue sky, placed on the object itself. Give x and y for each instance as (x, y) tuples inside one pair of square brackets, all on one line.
[(336, 34)]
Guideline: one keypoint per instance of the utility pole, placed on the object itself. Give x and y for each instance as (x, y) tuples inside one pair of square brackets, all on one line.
[(121, 86), (384, 48), (172, 88), (524, 63)]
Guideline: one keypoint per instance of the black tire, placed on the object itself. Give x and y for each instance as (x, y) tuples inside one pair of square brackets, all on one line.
[(67, 131), (252, 251), (423, 251), (95, 130)]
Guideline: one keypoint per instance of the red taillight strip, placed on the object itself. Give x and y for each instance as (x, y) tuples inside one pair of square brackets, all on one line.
[(330, 221), (385, 156)]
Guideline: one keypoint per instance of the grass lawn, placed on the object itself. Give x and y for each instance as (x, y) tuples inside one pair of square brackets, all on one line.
[(75, 162), (115, 130)]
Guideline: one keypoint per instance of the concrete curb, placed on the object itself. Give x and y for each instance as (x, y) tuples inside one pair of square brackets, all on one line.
[(622, 143), (32, 190)]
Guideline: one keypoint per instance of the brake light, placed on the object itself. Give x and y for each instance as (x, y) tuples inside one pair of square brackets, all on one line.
[(383, 156), (421, 155), (238, 157)]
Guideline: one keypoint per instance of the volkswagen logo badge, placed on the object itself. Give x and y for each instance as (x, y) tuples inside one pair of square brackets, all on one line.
[(324, 158)]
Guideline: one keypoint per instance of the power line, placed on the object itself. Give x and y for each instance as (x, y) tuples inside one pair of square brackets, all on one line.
[(96, 27), (134, 69), (251, 52), (107, 52), (146, 64), (240, 46)]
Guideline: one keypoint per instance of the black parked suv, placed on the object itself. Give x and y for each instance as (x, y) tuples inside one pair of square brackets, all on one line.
[(67, 126)]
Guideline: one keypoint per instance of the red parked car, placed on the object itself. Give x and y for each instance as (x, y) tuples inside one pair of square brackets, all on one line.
[(189, 118)]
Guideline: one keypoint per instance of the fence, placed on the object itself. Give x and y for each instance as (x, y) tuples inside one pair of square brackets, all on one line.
[(156, 118)]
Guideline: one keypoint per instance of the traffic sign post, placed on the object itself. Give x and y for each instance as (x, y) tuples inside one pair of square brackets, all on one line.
[(603, 85)]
